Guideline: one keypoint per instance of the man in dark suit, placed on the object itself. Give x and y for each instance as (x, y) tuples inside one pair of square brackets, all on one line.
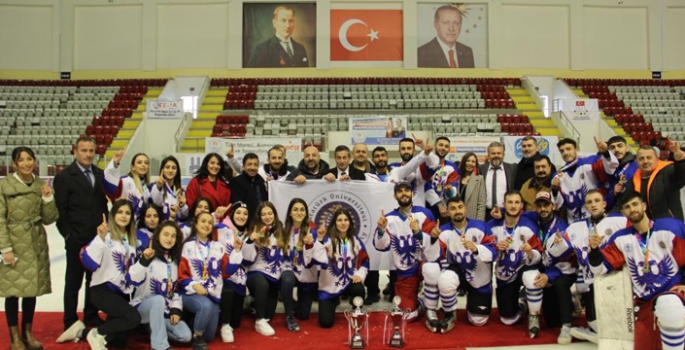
[(281, 50), (343, 171), (499, 177), (81, 201), (445, 51), (249, 187)]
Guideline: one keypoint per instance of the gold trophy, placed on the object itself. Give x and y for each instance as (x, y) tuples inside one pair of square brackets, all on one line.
[(399, 323), (357, 320)]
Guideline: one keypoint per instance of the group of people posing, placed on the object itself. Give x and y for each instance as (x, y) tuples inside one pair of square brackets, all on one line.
[(183, 261)]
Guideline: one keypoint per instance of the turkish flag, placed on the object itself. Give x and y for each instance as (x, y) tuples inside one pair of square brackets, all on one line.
[(366, 35)]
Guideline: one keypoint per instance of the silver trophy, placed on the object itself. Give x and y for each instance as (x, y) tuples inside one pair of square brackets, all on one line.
[(357, 320), (399, 322)]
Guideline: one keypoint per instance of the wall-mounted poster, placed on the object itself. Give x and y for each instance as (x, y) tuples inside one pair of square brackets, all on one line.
[(452, 35), (279, 35), (366, 35)]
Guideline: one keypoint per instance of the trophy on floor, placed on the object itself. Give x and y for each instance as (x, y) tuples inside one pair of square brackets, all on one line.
[(357, 320), (399, 322)]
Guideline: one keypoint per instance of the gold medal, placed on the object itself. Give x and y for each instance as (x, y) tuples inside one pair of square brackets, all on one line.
[(205, 273), (645, 269)]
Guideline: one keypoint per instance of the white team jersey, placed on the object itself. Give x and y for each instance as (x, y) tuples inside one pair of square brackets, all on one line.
[(654, 263), (510, 262), (406, 247), (204, 264), (337, 268), (411, 173), (477, 268), (159, 278), (118, 187), (266, 260), (109, 260), (165, 198)]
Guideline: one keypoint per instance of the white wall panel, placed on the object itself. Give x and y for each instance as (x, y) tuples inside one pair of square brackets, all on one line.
[(535, 36), (615, 38), (26, 40), (108, 37), (192, 36), (674, 38)]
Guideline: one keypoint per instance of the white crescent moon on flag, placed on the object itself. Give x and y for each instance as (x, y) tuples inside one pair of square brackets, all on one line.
[(342, 34)]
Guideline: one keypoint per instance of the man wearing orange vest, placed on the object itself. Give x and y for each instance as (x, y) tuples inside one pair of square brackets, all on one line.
[(659, 182)]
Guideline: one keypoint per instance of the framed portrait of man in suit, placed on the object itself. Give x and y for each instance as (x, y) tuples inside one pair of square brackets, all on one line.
[(279, 35), (452, 35)]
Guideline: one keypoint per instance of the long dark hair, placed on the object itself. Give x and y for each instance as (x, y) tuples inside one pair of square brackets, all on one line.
[(114, 232), (462, 164), (193, 229), (304, 226), (141, 217), (276, 228), (17, 152), (333, 233), (191, 213), (203, 171), (177, 185), (175, 251)]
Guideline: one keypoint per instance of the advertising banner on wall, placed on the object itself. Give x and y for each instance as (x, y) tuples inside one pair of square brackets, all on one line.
[(547, 145), (452, 35), (363, 200), (158, 109), (279, 35), (366, 35), (258, 146), (461, 145), (380, 130)]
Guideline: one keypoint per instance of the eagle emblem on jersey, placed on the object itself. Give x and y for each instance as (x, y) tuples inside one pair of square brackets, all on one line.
[(657, 274), (121, 263), (273, 258), (159, 288), (509, 262), (213, 270), (404, 247), (575, 201), (341, 268), (466, 263), (583, 262), (136, 203)]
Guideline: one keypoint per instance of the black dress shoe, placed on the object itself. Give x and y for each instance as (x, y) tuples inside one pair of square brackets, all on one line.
[(372, 299)]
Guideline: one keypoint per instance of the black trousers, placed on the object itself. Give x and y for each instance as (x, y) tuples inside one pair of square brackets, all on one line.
[(28, 309), (508, 297), (371, 283), (557, 303), (121, 316), (265, 294), (306, 293), (288, 283), (589, 300), (231, 306), (73, 279), (327, 307)]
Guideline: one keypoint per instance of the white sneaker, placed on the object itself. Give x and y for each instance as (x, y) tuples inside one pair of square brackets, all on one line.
[(584, 334), (263, 327), (72, 333), (96, 341), (227, 333), (565, 335)]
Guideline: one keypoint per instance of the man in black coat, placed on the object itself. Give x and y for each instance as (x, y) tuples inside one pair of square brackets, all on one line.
[(343, 171), (526, 168), (249, 187), (445, 51), (81, 202), (280, 50), (311, 167)]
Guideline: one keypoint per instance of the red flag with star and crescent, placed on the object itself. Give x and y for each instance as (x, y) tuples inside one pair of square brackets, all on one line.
[(366, 35)]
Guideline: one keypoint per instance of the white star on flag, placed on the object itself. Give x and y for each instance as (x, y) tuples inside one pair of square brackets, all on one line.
[(373, 35)]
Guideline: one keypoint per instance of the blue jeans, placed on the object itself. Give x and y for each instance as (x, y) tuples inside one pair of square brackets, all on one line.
[(152, 311), (206, 314)]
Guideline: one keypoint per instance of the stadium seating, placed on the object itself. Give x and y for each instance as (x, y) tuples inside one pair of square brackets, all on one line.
[(647, 110), (49, 115)]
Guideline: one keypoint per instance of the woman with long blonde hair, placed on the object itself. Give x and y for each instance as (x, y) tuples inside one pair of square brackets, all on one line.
[(132, 186)]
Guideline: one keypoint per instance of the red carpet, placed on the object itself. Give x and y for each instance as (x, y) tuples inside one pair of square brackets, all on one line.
[(48, 326)]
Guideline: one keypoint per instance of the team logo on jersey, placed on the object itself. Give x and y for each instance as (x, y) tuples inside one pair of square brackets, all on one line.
[(523, 238), (662, 245), (474, 239), (608, 232), (324, 205), (629, 248)]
